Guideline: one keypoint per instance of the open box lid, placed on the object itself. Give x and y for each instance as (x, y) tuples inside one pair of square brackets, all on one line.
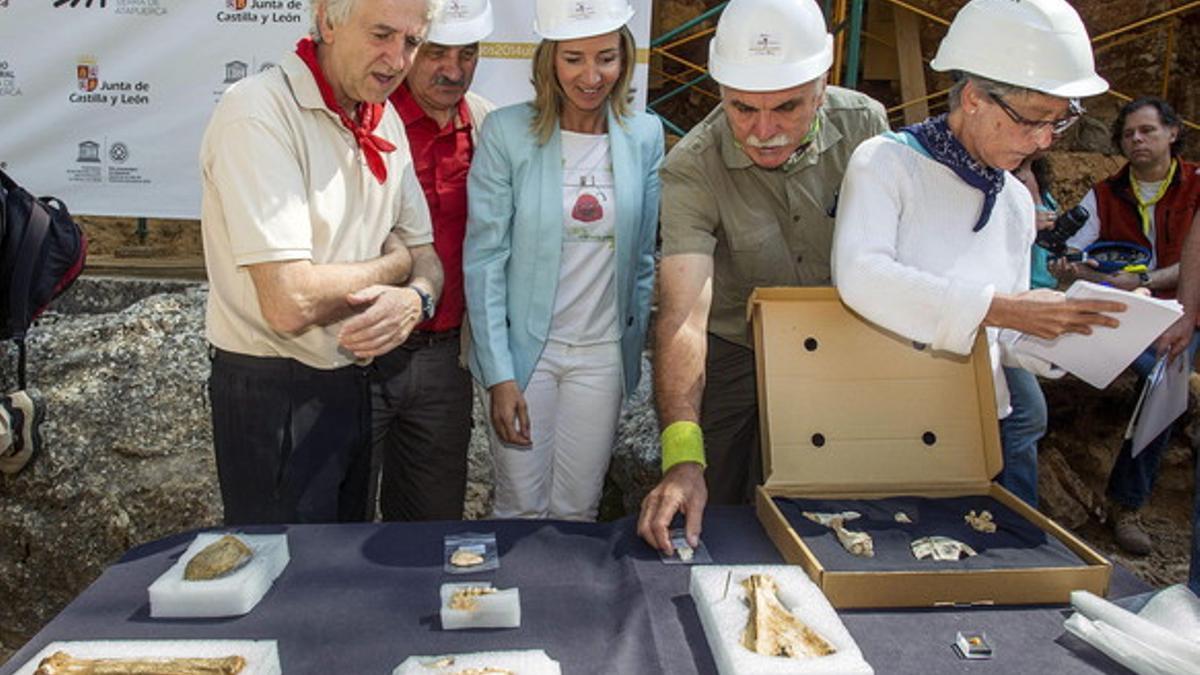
[(846, 407)]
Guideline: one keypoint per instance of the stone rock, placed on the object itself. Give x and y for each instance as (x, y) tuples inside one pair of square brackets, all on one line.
[(127, 452), (637, 456)]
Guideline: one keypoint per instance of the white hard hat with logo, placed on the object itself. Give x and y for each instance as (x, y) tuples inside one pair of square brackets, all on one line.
[(1036, 44), (767, 45), (461, 22), (573, 19)]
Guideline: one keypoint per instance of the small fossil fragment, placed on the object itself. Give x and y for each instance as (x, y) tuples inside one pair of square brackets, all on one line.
[(857, 543), (774, 631), (465, 557), (902, 517), (940, 548), (445, 662), (465, 598), (982, 522), (685, 553), (220, 558), (62, 663)]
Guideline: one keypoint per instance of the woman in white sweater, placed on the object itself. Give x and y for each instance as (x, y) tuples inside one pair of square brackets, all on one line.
[(933, 232)]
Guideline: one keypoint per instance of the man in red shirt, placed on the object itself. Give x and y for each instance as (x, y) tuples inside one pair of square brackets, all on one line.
[(421, 395)]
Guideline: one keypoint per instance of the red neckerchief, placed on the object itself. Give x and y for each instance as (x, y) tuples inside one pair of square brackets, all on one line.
[(369, 114)]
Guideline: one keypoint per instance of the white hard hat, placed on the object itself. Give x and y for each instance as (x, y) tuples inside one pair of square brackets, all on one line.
[(573, 19), (1036, 44), (461, 22), (767, 45)]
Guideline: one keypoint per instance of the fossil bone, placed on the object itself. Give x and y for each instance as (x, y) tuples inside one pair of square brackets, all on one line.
[(465, 557), (441, 664), (857, 543), (220, 558), (982, 522), (465, 598), (62, 663), (774, 631), (902, 517), (940, 548)]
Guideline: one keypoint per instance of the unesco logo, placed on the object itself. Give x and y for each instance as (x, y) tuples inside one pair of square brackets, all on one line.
[(118, 152), (75, 3)]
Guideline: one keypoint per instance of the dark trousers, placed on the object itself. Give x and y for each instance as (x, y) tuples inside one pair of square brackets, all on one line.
[(729, 420), (291, 441), (421, 428)]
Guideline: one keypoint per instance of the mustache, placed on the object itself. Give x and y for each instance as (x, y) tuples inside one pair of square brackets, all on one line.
[(776, 141), (441, 81)]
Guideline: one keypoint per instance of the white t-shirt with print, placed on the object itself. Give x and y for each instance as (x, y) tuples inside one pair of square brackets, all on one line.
[(585, 306)]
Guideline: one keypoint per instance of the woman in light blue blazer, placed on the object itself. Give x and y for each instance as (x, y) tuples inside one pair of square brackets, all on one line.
[(559, 261)]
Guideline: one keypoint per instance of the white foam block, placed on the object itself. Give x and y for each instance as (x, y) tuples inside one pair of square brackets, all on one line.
[(173, 597), (526, 662), (501, 609), (262, 657), (724, 616)]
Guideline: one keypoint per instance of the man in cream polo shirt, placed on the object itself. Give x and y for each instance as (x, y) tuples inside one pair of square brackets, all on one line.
[(318, 247)]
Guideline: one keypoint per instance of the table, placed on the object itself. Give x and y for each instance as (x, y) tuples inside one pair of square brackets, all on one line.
[(358, 599)]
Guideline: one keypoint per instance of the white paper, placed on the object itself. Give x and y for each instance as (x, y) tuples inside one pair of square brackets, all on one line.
[(1098, 358), (1158, 634), (262, 656), (1164, 398)]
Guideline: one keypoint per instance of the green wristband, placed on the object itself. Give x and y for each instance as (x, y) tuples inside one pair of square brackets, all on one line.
[(682, 442)]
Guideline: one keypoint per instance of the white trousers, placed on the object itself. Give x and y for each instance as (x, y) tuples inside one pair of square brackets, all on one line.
[(574, 399)]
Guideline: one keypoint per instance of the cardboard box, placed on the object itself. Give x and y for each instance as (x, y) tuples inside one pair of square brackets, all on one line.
[(850, 411)]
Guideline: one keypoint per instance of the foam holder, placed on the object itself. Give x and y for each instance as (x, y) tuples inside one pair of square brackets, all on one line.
[(721, 603), (526, 662), (171, 596), (501, 609)]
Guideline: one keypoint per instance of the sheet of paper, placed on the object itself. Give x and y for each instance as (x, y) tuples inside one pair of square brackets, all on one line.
[(1165, 399), (1098, 358)]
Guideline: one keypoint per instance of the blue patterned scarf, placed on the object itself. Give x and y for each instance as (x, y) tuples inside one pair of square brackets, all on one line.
[(934, 135)]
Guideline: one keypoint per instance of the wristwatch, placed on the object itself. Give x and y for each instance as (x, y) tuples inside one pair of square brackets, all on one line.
[(427, 306), (1144, 278)]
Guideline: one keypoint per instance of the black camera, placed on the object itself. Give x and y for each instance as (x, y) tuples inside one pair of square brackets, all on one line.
[(1055, 238)]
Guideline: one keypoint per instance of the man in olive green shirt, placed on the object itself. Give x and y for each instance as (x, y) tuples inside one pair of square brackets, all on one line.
[(748, 200)]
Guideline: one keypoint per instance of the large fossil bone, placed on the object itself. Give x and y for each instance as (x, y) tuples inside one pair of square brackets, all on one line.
[(774, 631), (62, 663), (220, 558)]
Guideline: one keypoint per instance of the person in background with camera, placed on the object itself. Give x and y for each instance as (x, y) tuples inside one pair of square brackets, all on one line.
[(933, 233), (559, 261), (1151, 202)]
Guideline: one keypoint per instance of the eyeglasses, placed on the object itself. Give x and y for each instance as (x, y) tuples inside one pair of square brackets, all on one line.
[(1057, 127)]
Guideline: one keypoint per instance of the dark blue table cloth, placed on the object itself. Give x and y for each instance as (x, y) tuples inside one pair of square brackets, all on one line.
[(358, 599)]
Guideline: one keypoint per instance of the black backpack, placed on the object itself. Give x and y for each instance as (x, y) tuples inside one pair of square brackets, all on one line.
[(42, 250)]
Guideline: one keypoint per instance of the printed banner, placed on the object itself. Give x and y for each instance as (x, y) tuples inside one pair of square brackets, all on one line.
[(106, 109)]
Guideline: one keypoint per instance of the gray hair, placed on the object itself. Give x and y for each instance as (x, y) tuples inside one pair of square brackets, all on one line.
[(992, 87), (338, 11)]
